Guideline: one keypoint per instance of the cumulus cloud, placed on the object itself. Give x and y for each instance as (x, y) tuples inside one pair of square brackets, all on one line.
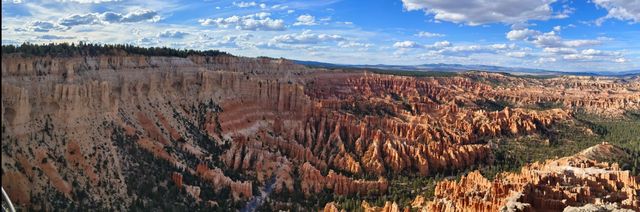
[(91, 19), (172, 34), (353, 44), (440, 44), (306, 20), (521, 34), (502, 46), (548, 39), (429, 34), (306, 37), (134, 16), (259, 21), (243, 4), (625, 10), (583, 55), (79, 19), (42, 26), (406, 44), (476, 12)]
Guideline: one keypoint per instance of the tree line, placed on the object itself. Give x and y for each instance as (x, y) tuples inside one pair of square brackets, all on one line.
[(91, 49)]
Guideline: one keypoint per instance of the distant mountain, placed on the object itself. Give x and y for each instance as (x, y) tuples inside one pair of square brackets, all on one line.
[(461, 68)]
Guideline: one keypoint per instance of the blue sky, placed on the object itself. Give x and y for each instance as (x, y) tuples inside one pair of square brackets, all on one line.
[(595, 35)]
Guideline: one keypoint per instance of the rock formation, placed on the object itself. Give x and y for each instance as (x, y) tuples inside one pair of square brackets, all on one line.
[(549, 186), (90, 125)]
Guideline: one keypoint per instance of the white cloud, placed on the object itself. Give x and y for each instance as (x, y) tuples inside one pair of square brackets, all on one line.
[(133, 16), (581, 43), (441, 44), (259, 21), (172, 34), (503, 46), (279, 7), (216, 41), (466, 50), (429, 34), (306, 37), (406, 44), (476, 12), (572, 54), (517, 54), (66, 23), (544, 60), (565, 13), (586, 54), (84, 19), (444, 48), (243, 4), (353, 44), (42, 26), (306, 20), (549, 39), (620, 60), (625, 10), (560, 50), (521, 34), (577, 57)]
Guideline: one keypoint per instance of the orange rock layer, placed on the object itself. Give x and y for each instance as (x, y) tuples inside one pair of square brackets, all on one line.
[(548, 186)]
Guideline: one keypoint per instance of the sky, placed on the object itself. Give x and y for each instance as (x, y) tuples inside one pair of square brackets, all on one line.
[(562, 35)]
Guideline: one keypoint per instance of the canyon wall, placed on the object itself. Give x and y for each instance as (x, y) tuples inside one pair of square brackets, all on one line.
[(103, 130)]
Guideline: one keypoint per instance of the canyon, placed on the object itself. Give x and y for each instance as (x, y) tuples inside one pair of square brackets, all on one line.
[(111, 131)]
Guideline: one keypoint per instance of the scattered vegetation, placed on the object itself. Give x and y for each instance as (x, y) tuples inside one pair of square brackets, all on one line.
[(362, 108), (492, 105)]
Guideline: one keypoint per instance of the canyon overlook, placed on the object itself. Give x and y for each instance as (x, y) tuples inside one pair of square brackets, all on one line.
[(226, 130)]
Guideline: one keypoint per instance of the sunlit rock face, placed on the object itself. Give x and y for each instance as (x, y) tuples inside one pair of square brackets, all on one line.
[(236, 127), (564, 184), (575, 183)]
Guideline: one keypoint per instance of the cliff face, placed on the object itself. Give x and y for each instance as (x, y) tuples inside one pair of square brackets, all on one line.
[(224, 128), (89, 117), (549, 186), (605, 96), (575, 183)]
